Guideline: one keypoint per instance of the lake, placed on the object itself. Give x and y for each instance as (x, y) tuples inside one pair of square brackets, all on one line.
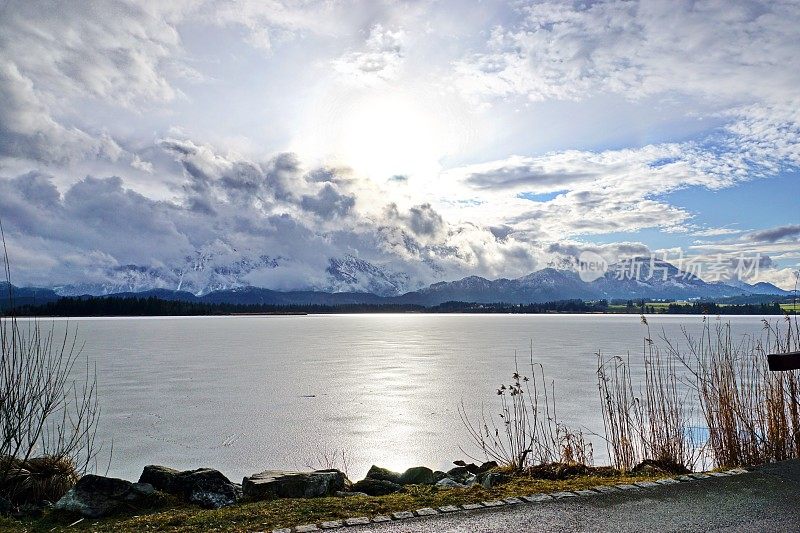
[(249, 393)]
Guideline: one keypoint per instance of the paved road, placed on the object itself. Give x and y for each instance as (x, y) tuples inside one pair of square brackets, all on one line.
[(765, 500)]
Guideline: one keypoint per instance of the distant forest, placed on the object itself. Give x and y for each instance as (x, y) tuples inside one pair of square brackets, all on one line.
[(151, 306)]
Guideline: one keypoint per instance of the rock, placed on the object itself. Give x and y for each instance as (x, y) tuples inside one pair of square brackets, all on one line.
[(98, 496), (206, 487), (162, 478), (417, 475), (376, 472), (376, 487), (459, 473), (144, 489), (276, 484), (485, 467), (449, 483), (439, 475), (472, 468), (491, 479)]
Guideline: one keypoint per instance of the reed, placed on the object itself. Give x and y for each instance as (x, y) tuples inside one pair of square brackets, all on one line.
[(705, 400), (752, 414), (654, 423)]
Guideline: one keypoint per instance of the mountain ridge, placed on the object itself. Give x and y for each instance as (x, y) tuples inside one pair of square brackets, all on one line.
[(634, 280)]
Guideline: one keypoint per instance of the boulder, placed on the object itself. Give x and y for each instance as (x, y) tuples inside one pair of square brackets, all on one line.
[(439, 475), (376, 487), (417, 475), (98, 496), (485, 467), (277, 484), (459, 473), (206, 487), (449, 483), (162, 478), (472, 468), (376, 472), (491, 479)]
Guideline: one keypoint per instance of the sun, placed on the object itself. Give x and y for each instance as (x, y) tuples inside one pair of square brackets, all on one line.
[(389, 135)]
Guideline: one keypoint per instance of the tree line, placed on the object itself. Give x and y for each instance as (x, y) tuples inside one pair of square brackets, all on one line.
[(153, 306)]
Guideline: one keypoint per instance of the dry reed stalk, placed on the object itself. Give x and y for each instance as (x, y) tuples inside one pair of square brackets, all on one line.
[(527, 431)]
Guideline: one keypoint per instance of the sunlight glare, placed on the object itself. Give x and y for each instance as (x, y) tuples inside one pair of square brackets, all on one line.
[(390, 135)]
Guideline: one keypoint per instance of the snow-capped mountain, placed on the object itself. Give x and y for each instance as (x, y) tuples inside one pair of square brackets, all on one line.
[(225, 275), (199, 274), (630, 280), (353, 274), (643, 278), (224, 268)]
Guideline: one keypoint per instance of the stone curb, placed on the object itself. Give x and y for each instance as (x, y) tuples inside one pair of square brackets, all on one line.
[(533, 498)]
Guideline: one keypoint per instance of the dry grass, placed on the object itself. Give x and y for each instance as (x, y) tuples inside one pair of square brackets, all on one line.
[(268, 515), (37, 479)]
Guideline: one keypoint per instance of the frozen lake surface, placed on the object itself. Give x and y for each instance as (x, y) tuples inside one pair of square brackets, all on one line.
[(246, 394)]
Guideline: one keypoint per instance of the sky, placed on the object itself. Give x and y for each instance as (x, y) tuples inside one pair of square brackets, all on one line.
[(432, 139)]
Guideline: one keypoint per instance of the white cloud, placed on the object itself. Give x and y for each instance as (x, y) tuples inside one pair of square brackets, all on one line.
[(379, 60), (569, 51)]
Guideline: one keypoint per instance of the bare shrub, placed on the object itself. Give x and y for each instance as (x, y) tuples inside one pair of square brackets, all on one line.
[(48, 407), (527, 431)]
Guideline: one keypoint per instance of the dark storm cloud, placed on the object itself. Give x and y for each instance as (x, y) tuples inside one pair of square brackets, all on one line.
[(526, 177), (421, 220), (612, 251), (328, 202), (93, 214), (774, 234), (501, 232), (425, 221)]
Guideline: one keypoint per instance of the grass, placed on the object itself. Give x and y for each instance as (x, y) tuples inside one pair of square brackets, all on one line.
[(791, 307), (171, 515)]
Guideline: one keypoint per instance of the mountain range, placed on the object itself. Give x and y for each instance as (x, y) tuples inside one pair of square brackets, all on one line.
[(652, 280)]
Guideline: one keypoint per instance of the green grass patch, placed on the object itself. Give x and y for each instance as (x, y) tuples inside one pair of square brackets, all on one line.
[(170, 515), (791, 307)]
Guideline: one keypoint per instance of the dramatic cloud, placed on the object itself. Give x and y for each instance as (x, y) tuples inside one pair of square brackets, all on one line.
[(236, 222), (363, 145)]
